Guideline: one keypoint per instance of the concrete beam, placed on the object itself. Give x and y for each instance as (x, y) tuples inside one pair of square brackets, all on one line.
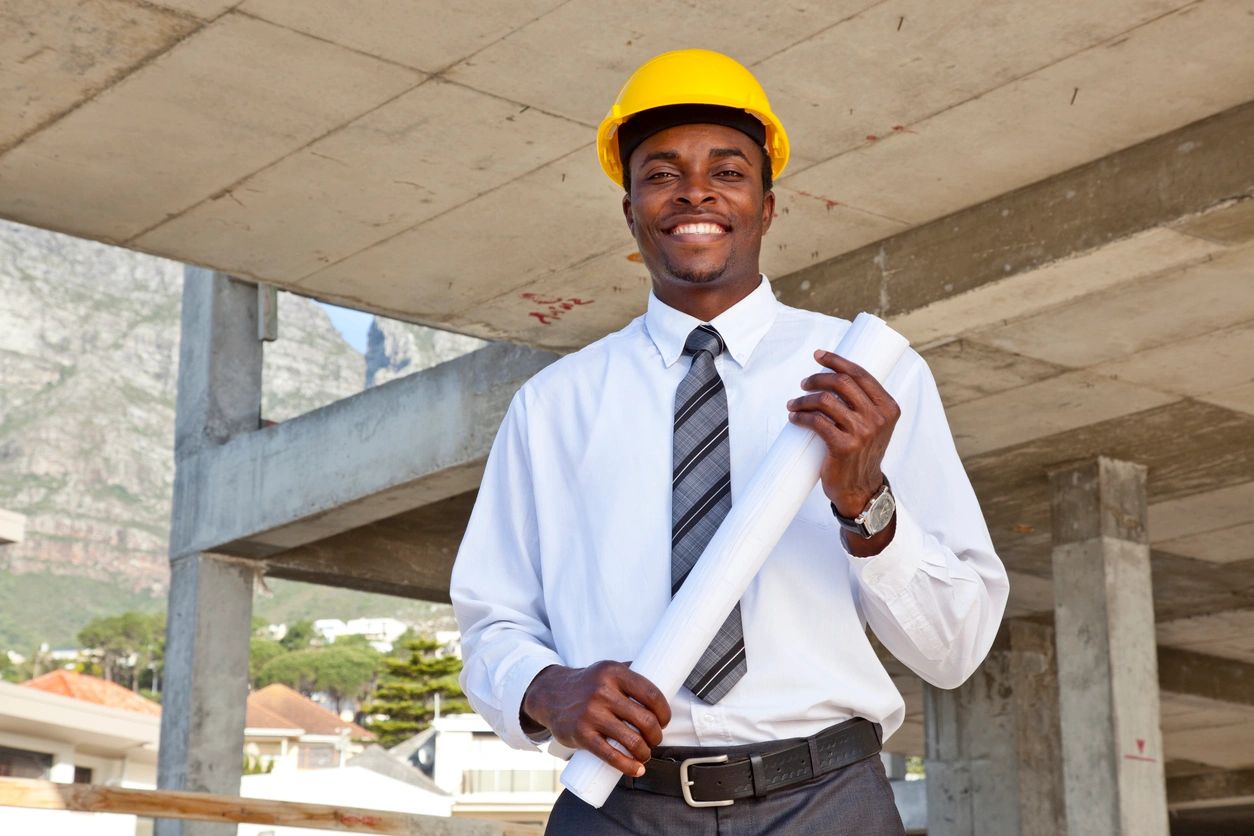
[(390, 449), (410, 554), (1211, 789), (1208, 677), (12, 527), (1163, 182)]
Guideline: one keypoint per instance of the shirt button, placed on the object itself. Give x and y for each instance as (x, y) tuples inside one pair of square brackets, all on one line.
[(709, 718)]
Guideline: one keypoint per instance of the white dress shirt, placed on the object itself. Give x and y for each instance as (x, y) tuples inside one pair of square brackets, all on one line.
[(567, 556)]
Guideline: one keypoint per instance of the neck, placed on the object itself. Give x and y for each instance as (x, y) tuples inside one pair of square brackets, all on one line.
[(704, 302)]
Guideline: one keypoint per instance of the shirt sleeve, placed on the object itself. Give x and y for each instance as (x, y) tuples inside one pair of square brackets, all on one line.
[(936, 594), (496, 587)]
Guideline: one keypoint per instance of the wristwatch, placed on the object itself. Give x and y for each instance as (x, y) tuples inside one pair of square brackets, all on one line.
[(874, 518)]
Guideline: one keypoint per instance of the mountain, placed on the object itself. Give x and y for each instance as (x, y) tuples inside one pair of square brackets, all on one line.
[(88, 367)]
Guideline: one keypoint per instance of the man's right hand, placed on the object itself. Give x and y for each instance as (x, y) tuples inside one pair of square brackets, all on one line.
[(585, 708)]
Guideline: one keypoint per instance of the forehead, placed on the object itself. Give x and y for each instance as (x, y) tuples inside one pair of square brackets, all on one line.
[(697, 140)]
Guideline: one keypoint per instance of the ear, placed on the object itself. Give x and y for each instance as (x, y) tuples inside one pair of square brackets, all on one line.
[(768, 210), (631, 219)]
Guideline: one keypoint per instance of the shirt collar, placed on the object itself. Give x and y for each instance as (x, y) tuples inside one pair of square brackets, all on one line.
[(742, 326)]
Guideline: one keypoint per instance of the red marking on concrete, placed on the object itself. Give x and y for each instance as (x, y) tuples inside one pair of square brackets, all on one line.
[(1140, 745), (1140, 758), (830, 203), (902, 129), (368, 821), (554, 307), (872, 138)]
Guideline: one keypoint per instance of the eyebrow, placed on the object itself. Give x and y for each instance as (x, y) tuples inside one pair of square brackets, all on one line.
[(661, 155), (719, 153)]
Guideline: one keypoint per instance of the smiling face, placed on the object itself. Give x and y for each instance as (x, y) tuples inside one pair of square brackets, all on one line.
[(698, 213)]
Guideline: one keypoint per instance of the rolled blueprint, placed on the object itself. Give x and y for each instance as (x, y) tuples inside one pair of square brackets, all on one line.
[(751, 529)]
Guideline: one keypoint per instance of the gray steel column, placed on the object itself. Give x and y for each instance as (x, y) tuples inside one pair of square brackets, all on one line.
[(992, 745), (210, 607), (1107, 664)]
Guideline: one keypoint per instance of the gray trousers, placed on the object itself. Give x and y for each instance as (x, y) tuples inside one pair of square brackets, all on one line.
[(854, 801)]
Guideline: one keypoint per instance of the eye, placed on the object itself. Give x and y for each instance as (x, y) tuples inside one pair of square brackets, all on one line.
[(729, 171), (658, 175)]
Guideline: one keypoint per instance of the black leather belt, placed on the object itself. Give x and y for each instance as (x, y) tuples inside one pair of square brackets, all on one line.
[(716, 780)]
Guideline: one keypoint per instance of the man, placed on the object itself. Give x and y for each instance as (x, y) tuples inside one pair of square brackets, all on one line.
[(615, 465)]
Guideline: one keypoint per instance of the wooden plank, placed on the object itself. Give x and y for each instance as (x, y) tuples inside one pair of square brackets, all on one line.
[(165, 804)]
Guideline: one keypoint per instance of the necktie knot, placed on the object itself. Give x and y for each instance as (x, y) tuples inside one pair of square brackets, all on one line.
[(704, 338)]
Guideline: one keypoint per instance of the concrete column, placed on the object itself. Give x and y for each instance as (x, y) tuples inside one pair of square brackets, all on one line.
[(993, 758), (209, 616), (1107, 664)]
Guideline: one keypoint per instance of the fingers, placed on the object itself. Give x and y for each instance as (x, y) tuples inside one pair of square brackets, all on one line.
[(824, 412), (601, 747), (864, 379), (646, 693)]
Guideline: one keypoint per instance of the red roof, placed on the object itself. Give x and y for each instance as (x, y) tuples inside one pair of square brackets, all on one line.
[(278, 706), (93, 689)]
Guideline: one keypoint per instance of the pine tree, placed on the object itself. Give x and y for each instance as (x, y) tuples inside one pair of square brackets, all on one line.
[(404, 700)]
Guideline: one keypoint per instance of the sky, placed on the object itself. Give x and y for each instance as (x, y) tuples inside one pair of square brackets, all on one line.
[(351, 324)]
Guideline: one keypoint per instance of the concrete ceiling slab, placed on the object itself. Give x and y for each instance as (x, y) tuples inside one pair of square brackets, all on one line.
[(1212, 362), (437, 269), (1230, 746), (204, 9), (1201, 512), (569, 309), (1229, 634), (966, 370), (1231, 224), (1181, 713), (1238, 397), (1137, 316), (426, 35), (1223, 545), (53, 55), (1052, 119), (1048, 407), (602, 42), (366, 182), (896, 64), (200, 117)]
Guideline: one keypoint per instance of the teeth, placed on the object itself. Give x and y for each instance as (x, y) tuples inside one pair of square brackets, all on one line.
[(697, 229)]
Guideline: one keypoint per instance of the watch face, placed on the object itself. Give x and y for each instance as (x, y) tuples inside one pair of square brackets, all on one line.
[(880, 514)]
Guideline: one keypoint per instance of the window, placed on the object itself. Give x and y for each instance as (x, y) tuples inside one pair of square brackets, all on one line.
[(511, 780), (82, 775), (19, 763)]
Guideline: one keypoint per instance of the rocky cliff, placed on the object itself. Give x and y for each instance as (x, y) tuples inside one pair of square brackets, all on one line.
[(88, 366)]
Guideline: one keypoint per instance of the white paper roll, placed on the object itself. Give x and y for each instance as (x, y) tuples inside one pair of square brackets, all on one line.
[(751, 529)]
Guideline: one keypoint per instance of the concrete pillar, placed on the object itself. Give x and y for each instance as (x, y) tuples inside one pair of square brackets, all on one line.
[(993, 759), (209, 616), (1107, 664)]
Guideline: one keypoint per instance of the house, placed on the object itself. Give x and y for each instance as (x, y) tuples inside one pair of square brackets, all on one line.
[(372, 780), (485, 777), (72, 728), (285, 731), (381, 633)]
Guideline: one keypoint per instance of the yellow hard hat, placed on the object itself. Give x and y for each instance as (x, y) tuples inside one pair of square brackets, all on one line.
[(690, 76)]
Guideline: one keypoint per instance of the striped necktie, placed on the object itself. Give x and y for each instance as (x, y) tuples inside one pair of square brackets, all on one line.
[(701, 497)]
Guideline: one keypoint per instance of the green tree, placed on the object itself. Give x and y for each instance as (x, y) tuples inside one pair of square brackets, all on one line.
[(261, 651), (299, 635), (128, 647), (404, 700), (341, 671)]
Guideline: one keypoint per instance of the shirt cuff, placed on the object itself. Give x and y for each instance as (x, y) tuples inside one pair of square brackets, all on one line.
[(889, 572), (514, 686)]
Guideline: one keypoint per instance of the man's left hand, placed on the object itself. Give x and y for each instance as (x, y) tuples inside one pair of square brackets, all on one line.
[(853, 414)]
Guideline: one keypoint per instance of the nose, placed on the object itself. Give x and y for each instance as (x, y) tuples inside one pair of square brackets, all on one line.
[(696, 191)]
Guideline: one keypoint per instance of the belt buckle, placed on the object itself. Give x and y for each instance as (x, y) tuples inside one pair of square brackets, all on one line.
[(685, 785)]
